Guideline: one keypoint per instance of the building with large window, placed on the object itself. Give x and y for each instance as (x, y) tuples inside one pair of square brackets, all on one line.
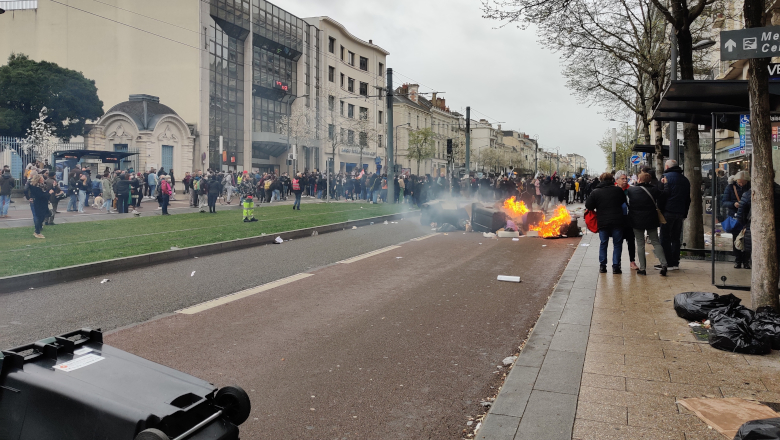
[(230, 69)]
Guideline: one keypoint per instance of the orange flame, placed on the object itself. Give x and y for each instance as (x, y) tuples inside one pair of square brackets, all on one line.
[(552, 228), (515, 208)]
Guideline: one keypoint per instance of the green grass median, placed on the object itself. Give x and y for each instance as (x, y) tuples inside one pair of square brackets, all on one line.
[(88, 242)]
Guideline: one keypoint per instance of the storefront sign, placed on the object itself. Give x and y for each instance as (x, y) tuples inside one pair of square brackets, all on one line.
[(351, 150)]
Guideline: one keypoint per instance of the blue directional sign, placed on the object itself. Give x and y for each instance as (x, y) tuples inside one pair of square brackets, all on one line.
[(745, 142)]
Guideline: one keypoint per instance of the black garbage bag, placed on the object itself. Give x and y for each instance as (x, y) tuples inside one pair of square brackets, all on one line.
[(736, 310), (446, 227), (766, 429), (733, 334), (696, 306), (767, 324)]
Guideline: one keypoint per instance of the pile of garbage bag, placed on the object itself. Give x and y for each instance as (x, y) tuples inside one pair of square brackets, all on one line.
[(766, 429), (732, 327)]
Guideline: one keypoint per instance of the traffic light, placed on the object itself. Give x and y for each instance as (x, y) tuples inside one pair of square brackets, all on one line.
[(449, 147)]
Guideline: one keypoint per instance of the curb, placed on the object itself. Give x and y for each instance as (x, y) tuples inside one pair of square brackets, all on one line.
[(44, 278), (538, 400)]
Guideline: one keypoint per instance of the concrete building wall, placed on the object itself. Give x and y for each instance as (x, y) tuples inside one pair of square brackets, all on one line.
[(121, 60), (374, 76)]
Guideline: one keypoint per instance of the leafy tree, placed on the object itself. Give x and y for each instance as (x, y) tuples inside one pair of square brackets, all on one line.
[(624, 148), (421, 146), (27, 86)]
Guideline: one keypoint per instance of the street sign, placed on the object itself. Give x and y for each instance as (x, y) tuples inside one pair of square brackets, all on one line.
[(750, 43), (745, 141), (635, 160)]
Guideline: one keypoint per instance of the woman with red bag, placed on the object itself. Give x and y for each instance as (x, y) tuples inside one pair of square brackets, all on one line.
[(607, 200)]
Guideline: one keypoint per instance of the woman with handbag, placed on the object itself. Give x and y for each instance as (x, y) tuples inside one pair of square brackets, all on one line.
[(644, 216), (731, 200)]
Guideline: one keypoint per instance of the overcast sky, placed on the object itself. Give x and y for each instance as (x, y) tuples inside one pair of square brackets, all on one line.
[(502, 73)]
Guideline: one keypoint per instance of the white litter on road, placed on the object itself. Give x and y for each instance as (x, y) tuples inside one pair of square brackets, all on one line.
[(585, 245), (515, 239), (192, 274), (105, 280), (354, 227), (511, 279), (278, 240)]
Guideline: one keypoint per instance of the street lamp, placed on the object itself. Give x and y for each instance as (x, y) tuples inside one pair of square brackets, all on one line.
[(395, 158), (614, 143)]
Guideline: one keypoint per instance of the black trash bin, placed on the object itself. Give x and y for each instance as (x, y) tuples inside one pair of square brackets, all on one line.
[(72, 387)]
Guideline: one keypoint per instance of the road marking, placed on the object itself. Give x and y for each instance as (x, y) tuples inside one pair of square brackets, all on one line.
[(242, 294), (368, 254), (424, 237)]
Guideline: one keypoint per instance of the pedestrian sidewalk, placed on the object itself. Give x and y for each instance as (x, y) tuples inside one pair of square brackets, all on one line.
[(609, 359)]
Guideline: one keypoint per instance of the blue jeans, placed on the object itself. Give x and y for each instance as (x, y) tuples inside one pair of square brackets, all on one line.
[(73, 203), (164, 203), (82, 200), (276, 195), (5, 201), (35, 218), (617, 244), (297, 203), (375, 196), (319, 193), (151, 190)]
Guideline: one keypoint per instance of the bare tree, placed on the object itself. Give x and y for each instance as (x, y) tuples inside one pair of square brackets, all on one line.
[(298, 126), (421, 146)]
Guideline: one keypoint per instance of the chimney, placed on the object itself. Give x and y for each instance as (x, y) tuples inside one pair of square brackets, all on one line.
[(370, 41), (433, 100), (413, 89)]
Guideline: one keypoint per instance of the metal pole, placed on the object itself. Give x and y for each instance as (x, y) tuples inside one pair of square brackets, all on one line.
[(390, 140), (713, 195), (536, 157), (673, 125), (468, 139), (614, 148)]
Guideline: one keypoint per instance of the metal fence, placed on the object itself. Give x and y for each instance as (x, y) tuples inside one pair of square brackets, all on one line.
[(12, 154)]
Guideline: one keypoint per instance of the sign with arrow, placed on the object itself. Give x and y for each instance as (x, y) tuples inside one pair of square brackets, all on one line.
[(750, 43)]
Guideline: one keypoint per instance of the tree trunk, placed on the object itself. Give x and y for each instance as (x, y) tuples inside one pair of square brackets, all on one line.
[(763, 286), (693, 232), (694, 227), (418, 167)]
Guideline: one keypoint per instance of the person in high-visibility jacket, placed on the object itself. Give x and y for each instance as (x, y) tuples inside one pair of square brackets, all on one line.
[(249, 209)]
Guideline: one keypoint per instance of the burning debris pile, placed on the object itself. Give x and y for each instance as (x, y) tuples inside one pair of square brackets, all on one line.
[(558, 225)]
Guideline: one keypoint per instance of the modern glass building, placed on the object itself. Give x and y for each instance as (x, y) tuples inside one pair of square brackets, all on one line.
[(262, 58)]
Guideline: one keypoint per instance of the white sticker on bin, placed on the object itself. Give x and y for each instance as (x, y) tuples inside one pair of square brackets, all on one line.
[(81, 351), (77, 363)]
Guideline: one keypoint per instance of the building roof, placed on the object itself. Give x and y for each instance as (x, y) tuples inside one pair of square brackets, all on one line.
[(400, 98), (344, 30), (145, 110)]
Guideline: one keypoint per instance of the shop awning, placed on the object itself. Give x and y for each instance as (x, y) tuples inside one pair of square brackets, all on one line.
[(644, 148), (695, 101), (103, 156)]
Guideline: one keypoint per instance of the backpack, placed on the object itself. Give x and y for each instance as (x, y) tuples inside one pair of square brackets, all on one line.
[(196, 186), (296, 185), (268, 184)]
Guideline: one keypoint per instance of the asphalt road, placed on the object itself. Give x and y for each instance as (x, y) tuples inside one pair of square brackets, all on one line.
[(379, 348), (138, 295)]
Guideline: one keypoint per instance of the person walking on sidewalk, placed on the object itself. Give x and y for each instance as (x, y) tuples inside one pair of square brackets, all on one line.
[(7, 184), (82, 188), (297, 189), (643, 202), (54, 197), (621, 180), (608, 200), (165, 193), (732, 201), (107, 192), (677, 194)]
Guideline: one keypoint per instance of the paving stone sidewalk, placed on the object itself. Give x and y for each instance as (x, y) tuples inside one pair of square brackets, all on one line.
[(609, 359)]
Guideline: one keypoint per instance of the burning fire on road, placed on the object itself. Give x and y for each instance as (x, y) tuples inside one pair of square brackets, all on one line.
[(554, 227)]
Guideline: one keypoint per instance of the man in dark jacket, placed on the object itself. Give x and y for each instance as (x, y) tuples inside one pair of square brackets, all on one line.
[(643, 217), (6, 185), (732, 201), (744, 216), (608, 200), (676, 191)]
